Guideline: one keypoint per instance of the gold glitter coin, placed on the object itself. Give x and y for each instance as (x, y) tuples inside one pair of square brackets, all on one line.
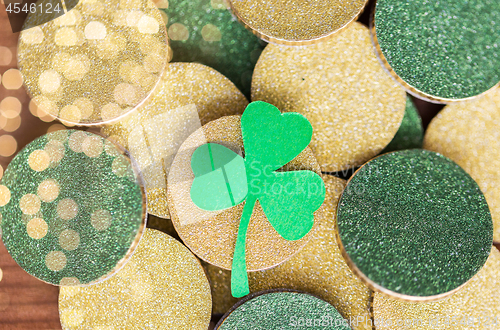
[(163, 286), (95, 63), (188, 96), (475, 306), (354, 106), (211, 235), (467, 133), (318, 268), (296, 22)]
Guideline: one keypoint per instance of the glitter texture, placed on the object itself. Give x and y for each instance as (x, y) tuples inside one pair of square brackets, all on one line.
[(444, 50), (474, 307), (410, 134), (354, 106), (212, 235), (214, 38), (95, 63), (163, 286), (414, 225), (468, 134), (188, 96), (318, 268), (49, 225), (296, 22), (282, 310)]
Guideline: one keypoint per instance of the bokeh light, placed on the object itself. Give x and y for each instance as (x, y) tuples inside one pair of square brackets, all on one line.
[(12, 79), (12, 124), (8, 145), (10, 107), (56, 127), (39, 112), (5, 55)]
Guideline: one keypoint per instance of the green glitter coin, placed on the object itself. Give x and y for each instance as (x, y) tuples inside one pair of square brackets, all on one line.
[(414, 225), (446, 50), (71, 208), (282, 310), (410, 134), (204, 31)]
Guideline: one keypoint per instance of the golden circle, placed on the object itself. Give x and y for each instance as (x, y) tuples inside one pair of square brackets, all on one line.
[(110, 110), (76, 141), (54, 148), (10, 107), (67, 209), (49, 81), (92, 146), (212, 235), (475, 306), (188, 96), (5, 56), (4, 194), (178, 31), (85, 106), (182, 302), (78, 55), (210, 32), (12, 124), (467, 133), (70, 114), (296, 22), (48, 190), (12, 79), (121, 166), (101, 219), (55, 261), (54, 128), (39, 160), (44, 108), (69, 239), (8, 145), (95, 30), (148, 25), (74, 70), (30, 204), (66, 37), (37, 228), (32, 36), (70, 283), (354, 106)]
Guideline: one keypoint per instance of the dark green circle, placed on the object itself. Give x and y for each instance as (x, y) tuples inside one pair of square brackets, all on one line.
[(93, 185), (448, 49), (410, 134), (413, 222), (234, 55), (282, 310)]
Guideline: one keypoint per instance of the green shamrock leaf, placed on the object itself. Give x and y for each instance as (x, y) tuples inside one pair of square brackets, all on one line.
[(220, 173), (224, 179)]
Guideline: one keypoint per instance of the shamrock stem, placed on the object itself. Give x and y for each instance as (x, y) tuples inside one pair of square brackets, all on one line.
[(239, 277)]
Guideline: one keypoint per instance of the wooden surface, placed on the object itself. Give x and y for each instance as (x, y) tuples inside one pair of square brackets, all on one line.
[(25, 302)]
